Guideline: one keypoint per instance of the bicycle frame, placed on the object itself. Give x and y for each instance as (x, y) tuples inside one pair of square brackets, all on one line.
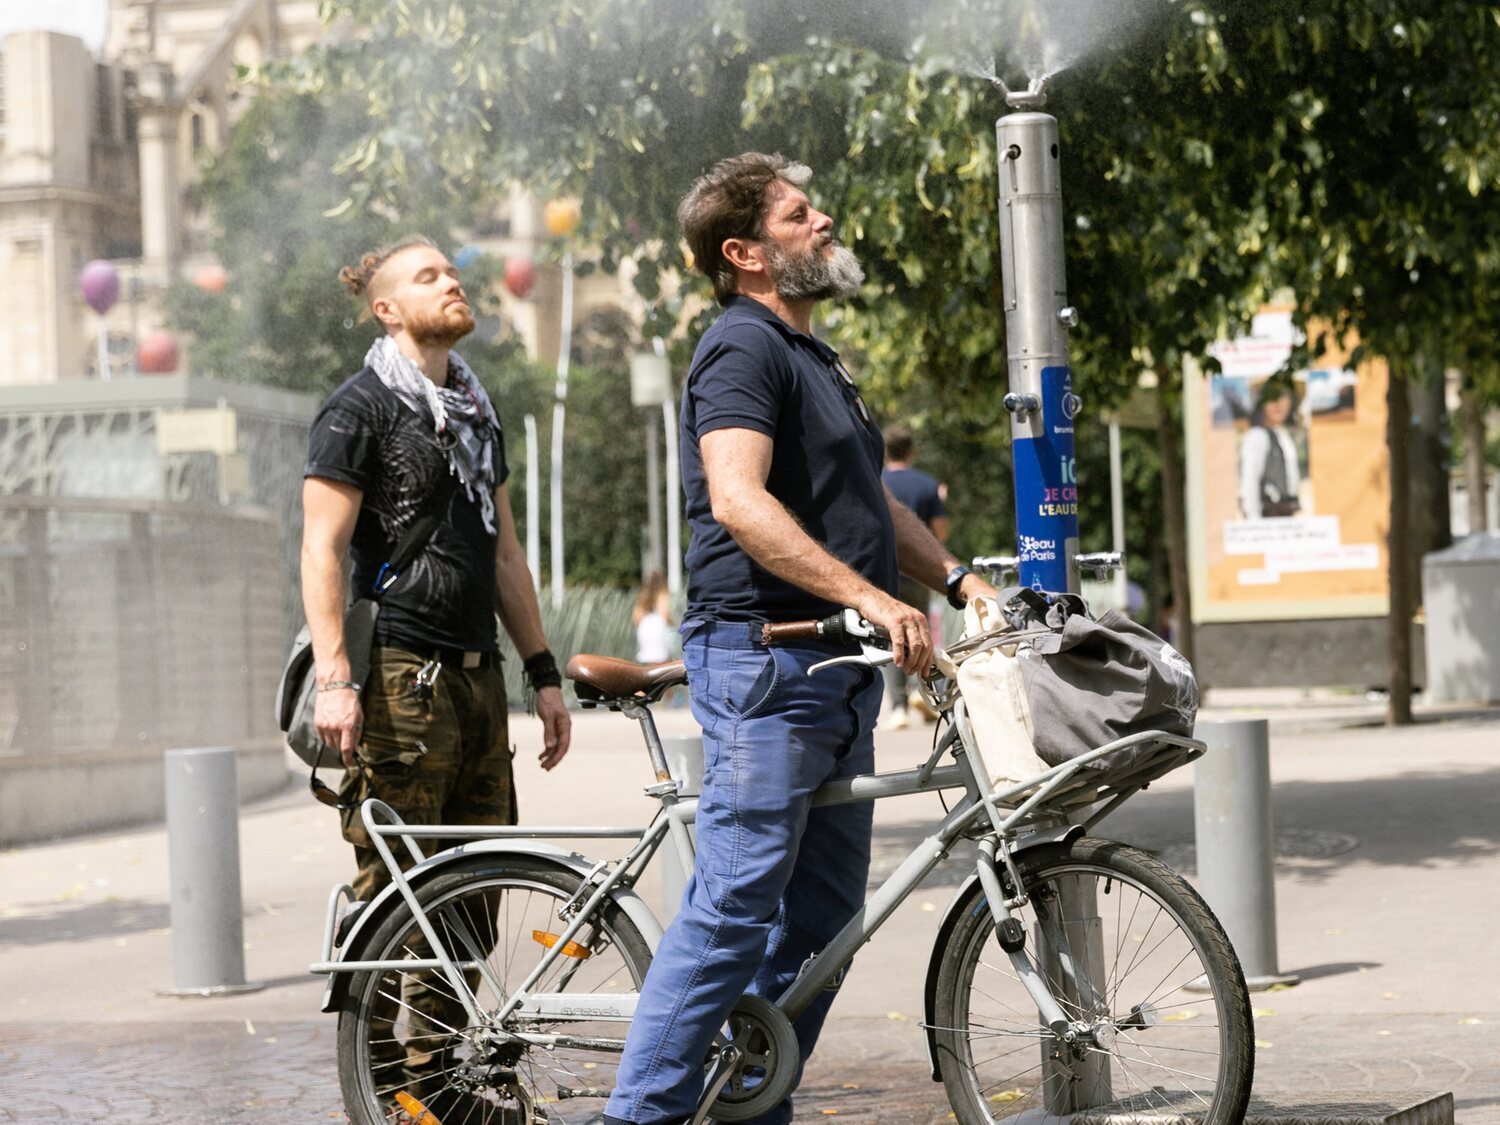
[(1037, 811)]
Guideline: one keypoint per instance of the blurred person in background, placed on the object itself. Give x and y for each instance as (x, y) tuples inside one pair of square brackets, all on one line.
[(924, 495), (652, 618)]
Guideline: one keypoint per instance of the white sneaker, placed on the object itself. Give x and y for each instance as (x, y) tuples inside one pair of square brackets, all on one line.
[(895, 720)]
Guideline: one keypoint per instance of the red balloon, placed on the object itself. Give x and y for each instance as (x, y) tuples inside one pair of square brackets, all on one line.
[(100, 282), (520, 276), (156, 354), (214, 279)]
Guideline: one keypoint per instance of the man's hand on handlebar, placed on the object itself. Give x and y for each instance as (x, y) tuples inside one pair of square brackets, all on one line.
[(911, 636)]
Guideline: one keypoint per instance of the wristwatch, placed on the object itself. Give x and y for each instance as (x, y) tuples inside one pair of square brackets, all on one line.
[(954, 580)]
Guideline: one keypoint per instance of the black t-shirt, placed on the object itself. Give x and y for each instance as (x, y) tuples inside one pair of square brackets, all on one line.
[(754, 371), (445, 598), (917, 491)]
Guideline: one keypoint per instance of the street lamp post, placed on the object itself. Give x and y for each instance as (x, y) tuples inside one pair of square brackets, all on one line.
[(561, 216)]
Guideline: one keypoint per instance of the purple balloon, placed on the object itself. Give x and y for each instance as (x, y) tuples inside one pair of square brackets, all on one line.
[(100, 282)]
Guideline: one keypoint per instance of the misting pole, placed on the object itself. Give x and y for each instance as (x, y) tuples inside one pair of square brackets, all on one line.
[(1040, 401), (1042, 407)]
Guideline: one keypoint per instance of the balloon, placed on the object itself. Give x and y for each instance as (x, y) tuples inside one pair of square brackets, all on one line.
[(560, 216), (687, 257), (467, 256), (520, 276), (100, 282), (156, 354), (213, 279)]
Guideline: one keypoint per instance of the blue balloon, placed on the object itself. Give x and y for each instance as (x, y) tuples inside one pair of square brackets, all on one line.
[(467, 256)]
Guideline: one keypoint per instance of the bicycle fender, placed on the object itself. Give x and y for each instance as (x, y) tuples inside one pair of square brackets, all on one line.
[(952, 916), (389, 899)]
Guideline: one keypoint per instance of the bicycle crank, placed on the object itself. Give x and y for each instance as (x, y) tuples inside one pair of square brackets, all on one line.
[(763, 1069)]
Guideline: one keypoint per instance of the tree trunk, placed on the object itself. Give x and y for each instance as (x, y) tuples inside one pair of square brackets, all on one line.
[(1471, 427), (1398, 650), (1430, 522), (1174, 515)]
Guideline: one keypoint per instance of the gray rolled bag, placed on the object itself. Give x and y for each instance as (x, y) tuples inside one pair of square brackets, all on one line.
[(1040, 669)]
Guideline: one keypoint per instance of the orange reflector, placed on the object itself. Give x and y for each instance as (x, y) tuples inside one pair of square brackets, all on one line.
[(571, 949), (415, 1109)]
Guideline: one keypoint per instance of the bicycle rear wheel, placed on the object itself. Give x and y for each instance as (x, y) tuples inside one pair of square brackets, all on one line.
[(406, 1045), (1164, 1032)]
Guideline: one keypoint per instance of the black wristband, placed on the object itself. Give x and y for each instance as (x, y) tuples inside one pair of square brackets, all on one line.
[(540, 670)]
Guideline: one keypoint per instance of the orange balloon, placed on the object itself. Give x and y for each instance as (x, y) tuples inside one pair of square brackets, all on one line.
[(687, 257), (561, 216), (214, 279), (157, 354)]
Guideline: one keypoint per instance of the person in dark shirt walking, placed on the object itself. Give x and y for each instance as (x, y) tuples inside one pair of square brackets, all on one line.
[(924, 496)]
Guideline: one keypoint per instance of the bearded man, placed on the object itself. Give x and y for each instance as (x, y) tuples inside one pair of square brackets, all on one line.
[(781, 465), (414, 434)]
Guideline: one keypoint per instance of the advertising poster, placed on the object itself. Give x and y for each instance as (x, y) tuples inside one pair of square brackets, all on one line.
[(1288, 482)]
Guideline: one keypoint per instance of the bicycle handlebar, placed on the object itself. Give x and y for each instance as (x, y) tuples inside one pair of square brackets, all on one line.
[(846, 627)]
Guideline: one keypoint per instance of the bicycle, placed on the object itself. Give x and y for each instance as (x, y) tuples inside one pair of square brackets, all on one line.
[(1072, 978)]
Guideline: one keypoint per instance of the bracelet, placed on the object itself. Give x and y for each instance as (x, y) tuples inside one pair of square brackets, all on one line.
[(341, 685), (541, 671)]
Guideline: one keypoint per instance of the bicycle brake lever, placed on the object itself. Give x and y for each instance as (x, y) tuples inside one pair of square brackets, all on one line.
[(868, 655)]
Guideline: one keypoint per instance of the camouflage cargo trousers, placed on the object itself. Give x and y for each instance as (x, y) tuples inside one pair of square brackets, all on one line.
[(438, 757)]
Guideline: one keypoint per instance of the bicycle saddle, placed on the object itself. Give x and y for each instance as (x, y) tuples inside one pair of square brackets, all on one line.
[(607, 679)]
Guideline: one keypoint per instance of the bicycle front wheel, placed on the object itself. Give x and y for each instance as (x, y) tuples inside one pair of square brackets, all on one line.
[(1156, 1006), (407, 1046)]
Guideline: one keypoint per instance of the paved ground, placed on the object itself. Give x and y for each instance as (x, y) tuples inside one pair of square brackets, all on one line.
[(1385, 894)]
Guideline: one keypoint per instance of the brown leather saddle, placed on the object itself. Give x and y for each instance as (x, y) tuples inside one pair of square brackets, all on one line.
[(610, 681)]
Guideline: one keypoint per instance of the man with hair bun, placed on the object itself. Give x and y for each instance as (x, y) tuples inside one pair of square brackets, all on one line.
[(412, 434), (781, 467)]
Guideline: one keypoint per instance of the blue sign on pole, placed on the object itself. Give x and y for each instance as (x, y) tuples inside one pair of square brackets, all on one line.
[(1047, 489)]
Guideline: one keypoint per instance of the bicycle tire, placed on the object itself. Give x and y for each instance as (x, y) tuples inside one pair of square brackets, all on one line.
[(425, 1061), (1174, 999)]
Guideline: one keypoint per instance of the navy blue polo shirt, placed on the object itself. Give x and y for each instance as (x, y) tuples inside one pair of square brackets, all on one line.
[(754, 371)]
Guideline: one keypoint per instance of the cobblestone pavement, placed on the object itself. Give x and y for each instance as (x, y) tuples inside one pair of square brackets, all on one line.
[(867, 1071), (1392, 931)]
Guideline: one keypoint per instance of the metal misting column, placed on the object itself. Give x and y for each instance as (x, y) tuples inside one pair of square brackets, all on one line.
[(1041, 402), (1042, 407)]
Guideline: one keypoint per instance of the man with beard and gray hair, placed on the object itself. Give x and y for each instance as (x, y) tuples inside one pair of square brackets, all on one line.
[(781, 465), (412, 438)]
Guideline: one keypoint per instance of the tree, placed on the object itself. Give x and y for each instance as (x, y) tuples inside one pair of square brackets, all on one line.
[(282, 232), (1382, 189)]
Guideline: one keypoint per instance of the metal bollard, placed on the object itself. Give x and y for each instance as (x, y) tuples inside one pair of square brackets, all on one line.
[(1236, 844), (685, 761), (203, 853)]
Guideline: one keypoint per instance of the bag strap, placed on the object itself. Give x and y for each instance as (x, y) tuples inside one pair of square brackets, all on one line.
[(414, 538)]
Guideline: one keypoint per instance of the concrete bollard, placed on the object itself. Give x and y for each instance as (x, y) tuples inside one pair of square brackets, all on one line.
[(203, 853), (1236, 844), (685, 761)]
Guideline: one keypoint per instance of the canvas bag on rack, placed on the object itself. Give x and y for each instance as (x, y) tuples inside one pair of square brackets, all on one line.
[(1044, 682)]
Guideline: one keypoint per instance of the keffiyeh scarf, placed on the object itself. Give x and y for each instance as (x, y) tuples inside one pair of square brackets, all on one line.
[(461, 409)]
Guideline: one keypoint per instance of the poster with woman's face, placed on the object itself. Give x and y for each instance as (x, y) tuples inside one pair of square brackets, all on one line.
[(1289, 475)]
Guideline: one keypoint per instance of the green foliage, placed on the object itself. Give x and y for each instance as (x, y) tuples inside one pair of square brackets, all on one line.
[(1347, 148)]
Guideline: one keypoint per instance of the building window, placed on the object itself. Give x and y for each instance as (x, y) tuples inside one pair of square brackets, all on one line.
[(104, 103)]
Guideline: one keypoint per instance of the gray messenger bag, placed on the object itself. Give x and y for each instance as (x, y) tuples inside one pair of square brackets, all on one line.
[(297, 694), (1044, 681)]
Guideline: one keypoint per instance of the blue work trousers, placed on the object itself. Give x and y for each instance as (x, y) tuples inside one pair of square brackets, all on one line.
[(775, 879)]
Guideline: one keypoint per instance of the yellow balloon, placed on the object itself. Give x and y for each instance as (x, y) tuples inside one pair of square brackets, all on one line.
[(687, 257), (561, 216)]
